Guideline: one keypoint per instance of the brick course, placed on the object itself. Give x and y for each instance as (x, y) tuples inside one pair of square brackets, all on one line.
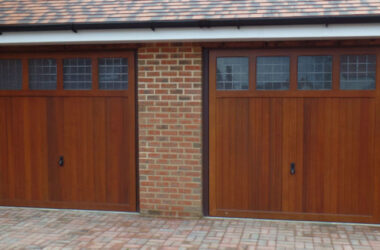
[(169, 100)]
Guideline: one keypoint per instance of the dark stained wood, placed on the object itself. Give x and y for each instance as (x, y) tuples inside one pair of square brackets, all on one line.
[(97, 151), (335, 72), (23, 131), (264, 182), (59, 79), (118, 174), (331, 136), (25, 77), (78, 48), (4, 170), (338, 154), (234, 115), (78, 169), (36, 147), (16, 131), (94, 130), (293, 73), (205, 133), (292, 153), (99, 113), (55, 128), (295, 93), (247, 133)]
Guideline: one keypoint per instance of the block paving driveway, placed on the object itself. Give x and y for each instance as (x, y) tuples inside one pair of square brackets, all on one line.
[(29, 228)]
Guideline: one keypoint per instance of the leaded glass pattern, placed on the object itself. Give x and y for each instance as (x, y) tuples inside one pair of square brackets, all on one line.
[(272, 73), (232, 73), (77, 73), (314, 72), (357, 72), (10, 74), (42, 74), (113, 73)]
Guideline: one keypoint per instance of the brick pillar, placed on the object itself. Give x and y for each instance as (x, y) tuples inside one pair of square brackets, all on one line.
[(169, 99)]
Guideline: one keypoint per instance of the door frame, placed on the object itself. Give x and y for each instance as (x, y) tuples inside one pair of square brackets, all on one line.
[(205, 132)]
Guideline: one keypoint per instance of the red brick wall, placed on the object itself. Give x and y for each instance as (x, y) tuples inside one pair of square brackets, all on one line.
[(169, 100)]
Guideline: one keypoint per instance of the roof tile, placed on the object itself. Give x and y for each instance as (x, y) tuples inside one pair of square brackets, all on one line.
[(97, 11)]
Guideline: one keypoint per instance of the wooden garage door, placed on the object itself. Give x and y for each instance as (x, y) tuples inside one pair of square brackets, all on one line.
[(67, 129), (295, 134)]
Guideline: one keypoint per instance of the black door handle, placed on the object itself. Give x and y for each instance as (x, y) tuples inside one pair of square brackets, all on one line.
[(292, 168), (61, 161)]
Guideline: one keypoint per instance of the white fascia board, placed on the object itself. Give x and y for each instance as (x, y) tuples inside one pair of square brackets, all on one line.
[(245, 33)]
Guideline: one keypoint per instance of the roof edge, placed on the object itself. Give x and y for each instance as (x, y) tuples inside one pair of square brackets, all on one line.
[(204, 23)]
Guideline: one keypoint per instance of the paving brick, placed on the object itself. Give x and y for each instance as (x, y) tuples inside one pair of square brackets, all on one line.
[(28, 228)]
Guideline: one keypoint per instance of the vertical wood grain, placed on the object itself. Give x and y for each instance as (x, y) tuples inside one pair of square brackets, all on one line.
[(100, 148), (117, 151), (93, 130), (4, 164), (338, 151), (55, 130), (332, 139), (292, 153)]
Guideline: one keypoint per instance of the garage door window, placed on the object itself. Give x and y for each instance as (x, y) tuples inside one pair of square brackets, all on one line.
[(357, 72), (113, 73), (10, 74), (232, 73), (315, 72), (43, 74), (272, 73), (77, 74)]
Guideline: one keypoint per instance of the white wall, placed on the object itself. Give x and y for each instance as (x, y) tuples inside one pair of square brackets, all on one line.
[(246, 33)]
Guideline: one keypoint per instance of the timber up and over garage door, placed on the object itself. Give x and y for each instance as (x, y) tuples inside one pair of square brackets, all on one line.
[(295, 134), (67, 129)]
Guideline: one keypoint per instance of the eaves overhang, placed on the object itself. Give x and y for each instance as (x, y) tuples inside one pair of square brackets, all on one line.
[(204, 23)]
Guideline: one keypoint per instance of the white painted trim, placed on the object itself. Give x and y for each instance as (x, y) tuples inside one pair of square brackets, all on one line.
[(245, 33)]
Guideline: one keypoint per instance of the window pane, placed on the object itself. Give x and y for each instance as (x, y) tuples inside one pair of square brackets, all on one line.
[(357, 72), (10, 74), (314, 72), (272, 73), (42, 74), (113, 73), (77, 73), (232, 73)]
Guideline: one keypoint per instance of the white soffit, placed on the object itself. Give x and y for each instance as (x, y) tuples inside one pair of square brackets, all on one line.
[(244, 33)]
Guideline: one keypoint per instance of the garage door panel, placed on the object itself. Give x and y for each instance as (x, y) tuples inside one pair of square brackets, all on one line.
[(251, 128), (93, 134), (96, 150), (23, 129), (78, 154), (16, 157), (100, 148), (36, 148), (266, 125), (292, 155), (55, 149), (118, 170), (234, 182), (338, 156)]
